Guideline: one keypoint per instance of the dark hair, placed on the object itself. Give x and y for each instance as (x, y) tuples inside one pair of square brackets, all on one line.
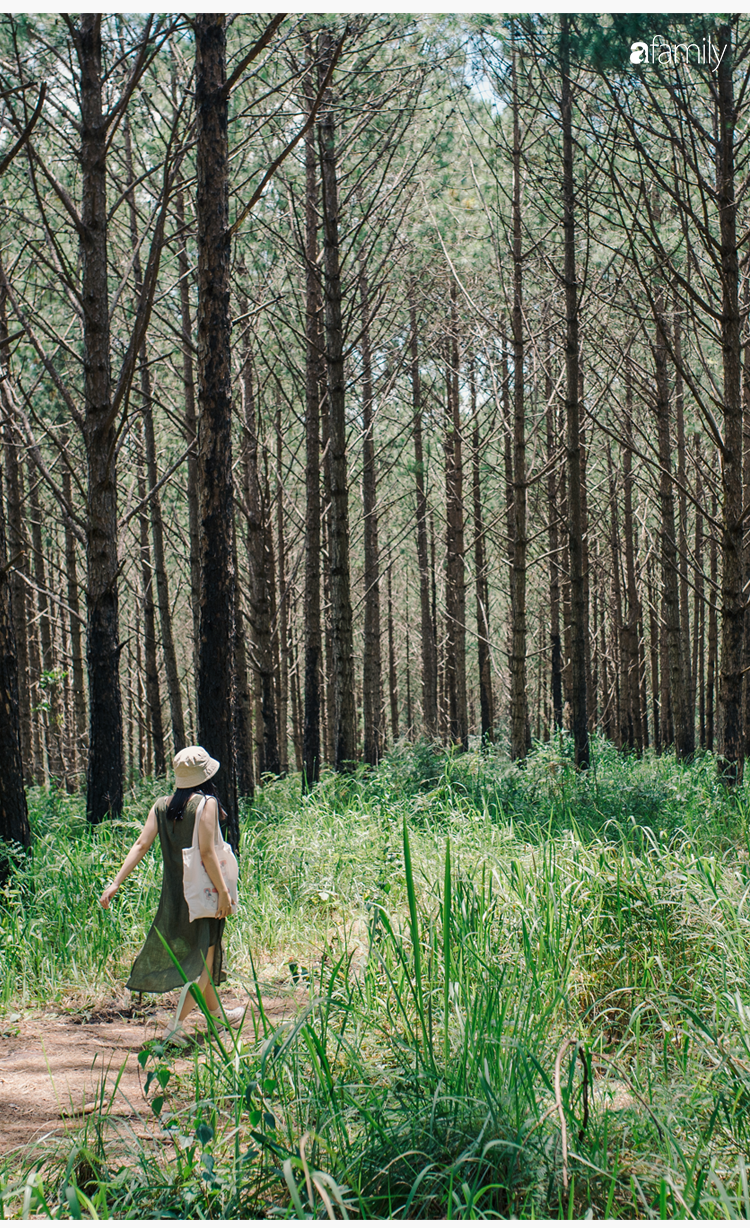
[(179, 798)]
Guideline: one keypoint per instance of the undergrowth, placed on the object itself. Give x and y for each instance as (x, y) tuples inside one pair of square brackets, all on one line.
[(527, 997)]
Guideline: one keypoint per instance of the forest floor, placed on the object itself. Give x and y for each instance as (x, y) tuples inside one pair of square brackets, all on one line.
[(61, 1065)]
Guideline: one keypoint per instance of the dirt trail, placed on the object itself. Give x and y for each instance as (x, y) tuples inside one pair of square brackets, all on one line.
[(53, 1064)]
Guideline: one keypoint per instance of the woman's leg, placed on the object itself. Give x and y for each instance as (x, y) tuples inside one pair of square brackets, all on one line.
[(206, 988)]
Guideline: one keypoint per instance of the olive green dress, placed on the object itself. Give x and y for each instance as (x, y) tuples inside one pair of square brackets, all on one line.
[(153, 970)]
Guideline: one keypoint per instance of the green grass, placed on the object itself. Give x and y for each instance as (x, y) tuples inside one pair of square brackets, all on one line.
[(493, 951)]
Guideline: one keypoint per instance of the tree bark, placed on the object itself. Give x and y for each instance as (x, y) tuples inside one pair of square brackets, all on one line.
[(215, 691), (311, 737), (579, 717), (678, 699), (17, 545), (486, 709), (104, 776), (455, 584), (372, 692), (632, 662), (520, 731), (14, 819), (153, 694), (259, 558), (428, 630), (554, 566), (731, 745), (392, 674), (191, 424), (344, 716)]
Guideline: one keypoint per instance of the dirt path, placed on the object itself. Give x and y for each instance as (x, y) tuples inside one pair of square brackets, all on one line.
[(53, 1066)]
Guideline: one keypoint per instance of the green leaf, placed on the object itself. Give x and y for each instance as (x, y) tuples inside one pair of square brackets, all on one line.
[(204, 1133), (156, 1105), (255, 1116), (163, 1075)]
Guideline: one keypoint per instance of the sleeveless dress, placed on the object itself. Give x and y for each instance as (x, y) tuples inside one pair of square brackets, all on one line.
[(153, 970)]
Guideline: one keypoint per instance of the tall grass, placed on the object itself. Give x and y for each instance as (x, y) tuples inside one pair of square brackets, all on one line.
[(528, 996)]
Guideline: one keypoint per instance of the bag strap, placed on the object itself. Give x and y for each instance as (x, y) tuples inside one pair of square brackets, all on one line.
[(198, 813)]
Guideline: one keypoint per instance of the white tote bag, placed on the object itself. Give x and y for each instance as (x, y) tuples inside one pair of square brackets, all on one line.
[(200, 894)]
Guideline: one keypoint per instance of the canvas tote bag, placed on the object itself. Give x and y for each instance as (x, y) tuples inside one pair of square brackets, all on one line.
[(200, 894)]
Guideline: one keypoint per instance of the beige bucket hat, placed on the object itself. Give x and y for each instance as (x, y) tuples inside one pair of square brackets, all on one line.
[(193, 766)]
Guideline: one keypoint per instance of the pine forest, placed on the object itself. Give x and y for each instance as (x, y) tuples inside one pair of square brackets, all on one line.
[(375, 413)]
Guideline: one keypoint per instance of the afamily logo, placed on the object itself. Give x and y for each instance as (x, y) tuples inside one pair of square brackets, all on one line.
[(672, 55)]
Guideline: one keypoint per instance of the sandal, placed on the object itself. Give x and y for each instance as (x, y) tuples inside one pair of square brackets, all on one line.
[(232, 1018), (175, 1033)]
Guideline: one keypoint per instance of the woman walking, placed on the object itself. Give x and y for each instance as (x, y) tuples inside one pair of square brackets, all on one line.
[(196, 945)]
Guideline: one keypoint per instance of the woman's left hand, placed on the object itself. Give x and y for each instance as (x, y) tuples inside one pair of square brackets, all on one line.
[(106, 895)]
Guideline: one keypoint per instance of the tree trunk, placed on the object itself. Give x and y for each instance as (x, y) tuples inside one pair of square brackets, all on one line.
[(486, 710), (49, 679), (392, 674), (157, 525), (344, 716), (712, 632), (428, 630), (282, 605), (259, 559), (104, 777), (455, 584), (632, 662), (554, 567), (699, 603), (679, 408), (579, 718), (520, 731), (215, 691), (14, 819), (153, 696), (731, 744), (372, 693), (654, 646), (311, 737), (17, 545), (191, 425), (678, 699)]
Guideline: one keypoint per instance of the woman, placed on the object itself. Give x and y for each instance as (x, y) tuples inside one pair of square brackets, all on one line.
[(196, 945)]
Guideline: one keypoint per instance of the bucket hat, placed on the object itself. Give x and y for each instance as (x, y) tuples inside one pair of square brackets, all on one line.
[(193, 766)]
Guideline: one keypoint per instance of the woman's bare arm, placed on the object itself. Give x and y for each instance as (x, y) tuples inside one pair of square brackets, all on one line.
[(206, 836), (139, 850)]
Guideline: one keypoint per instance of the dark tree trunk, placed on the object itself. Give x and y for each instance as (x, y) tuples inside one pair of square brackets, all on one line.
[(554, 566), (520, 731), (579, 718), (713, 635), (311, 737), (392, 674), (699, 602), (215, 690), (49, 680), (79, 692), (678, 699), (191, 425), (104, 777), (428, 630), (624, 726), (282, 605), (654, 646), (679, 408), (455, 585), (372, 692), (152, 474), (731, 744), (481, 582), (344, 715), (17, 544), (14, 819), (260, 567), (631, 665), (153, 696)]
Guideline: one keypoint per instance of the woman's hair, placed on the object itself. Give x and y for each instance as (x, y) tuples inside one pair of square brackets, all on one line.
[(179, 798)]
